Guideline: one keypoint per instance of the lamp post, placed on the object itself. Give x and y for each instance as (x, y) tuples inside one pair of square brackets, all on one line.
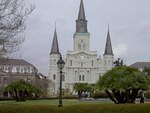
[(60, 65)]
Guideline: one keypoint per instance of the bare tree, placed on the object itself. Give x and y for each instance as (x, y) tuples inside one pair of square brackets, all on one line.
[(13, 14)]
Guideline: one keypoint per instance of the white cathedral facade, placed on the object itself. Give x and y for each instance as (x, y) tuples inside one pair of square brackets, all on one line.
[(81, 64)]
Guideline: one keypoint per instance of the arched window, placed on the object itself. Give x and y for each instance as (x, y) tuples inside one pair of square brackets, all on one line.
[(75, 72), (80, 77), (81, 64), (92, 63), (25, 70), (54, 77), (70, 62), (83, 78), (18, 69)]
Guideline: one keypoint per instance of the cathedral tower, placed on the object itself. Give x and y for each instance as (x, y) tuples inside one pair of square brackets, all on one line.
[(54, 57), (108, 54), (81, 37)]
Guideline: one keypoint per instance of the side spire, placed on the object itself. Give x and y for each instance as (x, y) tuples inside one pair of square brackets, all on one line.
[(108, 47), (81, 22), (55, 47)]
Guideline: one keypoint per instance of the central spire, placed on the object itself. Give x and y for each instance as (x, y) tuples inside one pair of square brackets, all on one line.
[(81, 15), (81, 22)]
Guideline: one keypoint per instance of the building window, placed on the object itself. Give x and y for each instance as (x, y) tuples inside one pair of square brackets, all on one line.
[(5, 80), (54, 77), (2, 68), (70, 62), (6, 68), (28, 69), (75, 73), (10, 69), (21, 70), (88, 73), (80, 78), (83, 78), (33, 70), (25, 70), (92, 63), (17, 69), (81, 64)]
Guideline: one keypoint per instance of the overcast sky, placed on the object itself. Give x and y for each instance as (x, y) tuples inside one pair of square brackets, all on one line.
[(129, 22)]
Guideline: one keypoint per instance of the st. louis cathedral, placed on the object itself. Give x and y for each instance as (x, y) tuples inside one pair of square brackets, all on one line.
[(82, 64)]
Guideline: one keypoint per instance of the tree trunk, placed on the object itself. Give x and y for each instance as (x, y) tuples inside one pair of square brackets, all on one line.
[(79, 94), (16, 95), (111, 96)]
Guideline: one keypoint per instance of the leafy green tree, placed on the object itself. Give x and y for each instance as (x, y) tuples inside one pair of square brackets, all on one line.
[(91, 88), (122, 84), (20, 90), (81, 88), (146, 71)]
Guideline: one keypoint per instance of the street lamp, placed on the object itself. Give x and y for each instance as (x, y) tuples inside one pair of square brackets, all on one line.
[(60, 65)]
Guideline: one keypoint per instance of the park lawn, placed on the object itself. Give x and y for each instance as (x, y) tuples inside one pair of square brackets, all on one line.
[(82, 108), (66, 102)]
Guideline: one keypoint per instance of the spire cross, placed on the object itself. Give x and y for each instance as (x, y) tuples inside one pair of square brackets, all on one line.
[(55, 26)]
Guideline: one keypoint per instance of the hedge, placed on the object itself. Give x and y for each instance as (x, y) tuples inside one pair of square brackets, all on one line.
[(102, 108), (102, 94), (147, 95), (99, 94), (42, 98)]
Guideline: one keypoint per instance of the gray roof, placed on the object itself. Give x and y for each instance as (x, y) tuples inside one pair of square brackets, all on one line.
[(5, 61), (81, 15), (108, 47), (141, 65), (55, 48)]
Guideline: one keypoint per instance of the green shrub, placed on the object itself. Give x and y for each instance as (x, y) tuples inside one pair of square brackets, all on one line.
[(101, 108), (147, 95), (69, 96), (99, 94)]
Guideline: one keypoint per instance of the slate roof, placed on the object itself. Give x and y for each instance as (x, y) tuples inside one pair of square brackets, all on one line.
[(141, 65), (5, 61)]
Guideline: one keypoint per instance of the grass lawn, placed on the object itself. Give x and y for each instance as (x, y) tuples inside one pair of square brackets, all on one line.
[(55, 102)]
